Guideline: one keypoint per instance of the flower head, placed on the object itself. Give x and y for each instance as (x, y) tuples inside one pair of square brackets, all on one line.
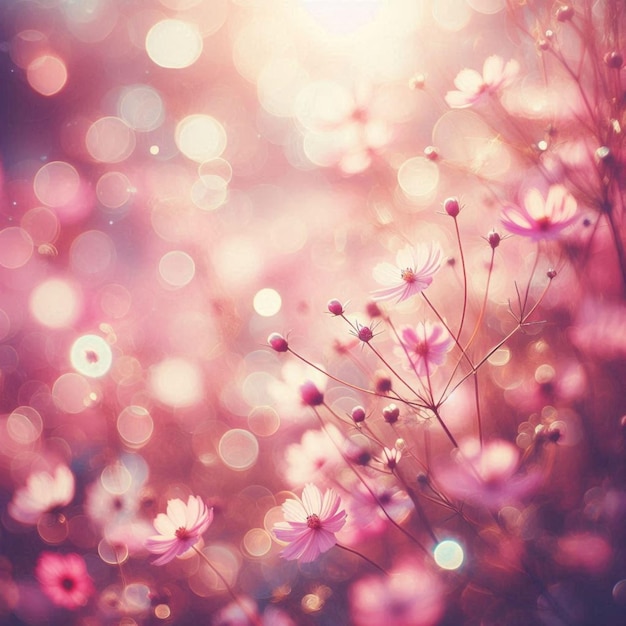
[(64, 579), (310, 524), (179, 529), (412, 273), (43, 492), (426, 345), (539, 218), (471, 86)]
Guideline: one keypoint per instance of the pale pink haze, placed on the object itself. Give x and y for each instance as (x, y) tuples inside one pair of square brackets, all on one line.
[(64, 579), (409, 596), (179, 529), (412, 273), (310, 524), (488, 475), (426, 345), (43, 492), (541, 218), (472, 86)]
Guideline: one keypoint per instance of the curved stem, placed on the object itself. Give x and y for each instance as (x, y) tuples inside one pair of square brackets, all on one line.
[(372, 563)]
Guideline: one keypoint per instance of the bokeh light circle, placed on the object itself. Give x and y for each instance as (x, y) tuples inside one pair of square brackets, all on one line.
[(448, 554), (110, 140), (16, 247), (177, 268), (238, 449), (56, 183), (176, 382), (55, 303), (174, 44), (267, 302), (257, 542), (91, 356), (135, 425), (200, 137), (47, 74)]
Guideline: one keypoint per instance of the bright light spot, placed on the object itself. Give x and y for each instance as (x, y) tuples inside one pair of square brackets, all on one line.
[(263, 421), (110, 140), (16, 247), (209, 192), (239, 449), (177, 268), (448, 554), (91, 356), (41, 224), (200, 137), (141, 107), (71, 393), (56, 183), (135, 425), (113, 190), (55, 303), (343, 16), (174, 44), (47, 75), (24, 425), (418, 177), (116, 478), (176, 382), (267, 302), (154, 150), (451, 15)]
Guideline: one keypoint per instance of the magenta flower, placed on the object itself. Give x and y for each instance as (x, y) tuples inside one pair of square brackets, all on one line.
[(539, 218), (42, 493), (471, 86), (179, 529), (426, 345), (412, 273), (310, 524), (64, 579)]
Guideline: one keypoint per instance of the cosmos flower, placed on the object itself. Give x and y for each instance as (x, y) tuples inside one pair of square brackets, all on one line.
[(539, 218), (42, 493), (64, 579), (412, 273), (471, 86), (179, 529), (310, 524), (426, 345)]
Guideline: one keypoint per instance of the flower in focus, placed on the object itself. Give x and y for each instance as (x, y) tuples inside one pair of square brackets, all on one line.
[(42, 493), (471, 86), (409, 596), (487, 475), (412, 273), (426, 345), (539, 218), (64, 579), (310, 524), (179, 529)]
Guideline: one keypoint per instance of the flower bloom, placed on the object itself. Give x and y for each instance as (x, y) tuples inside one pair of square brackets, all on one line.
[(471, 86), (310, 524), (426, 345), (539, 218), (412, 273), (179, 529), (43, 492), (64, 579)]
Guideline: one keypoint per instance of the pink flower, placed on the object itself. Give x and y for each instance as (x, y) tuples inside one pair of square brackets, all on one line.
[(179, 529), (64, 579), (42, 493), (472, 87), (409, 596), (426, 345), (539, 218), (310, 524), (412, 273)]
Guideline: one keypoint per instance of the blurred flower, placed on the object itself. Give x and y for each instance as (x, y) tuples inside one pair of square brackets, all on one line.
[(487, 475), (42, 493), (539, 218), (311, 524), (179, 529), (64, 579), (426, 345), (412, 273), (409, 596), (234, 614), (472, 87)]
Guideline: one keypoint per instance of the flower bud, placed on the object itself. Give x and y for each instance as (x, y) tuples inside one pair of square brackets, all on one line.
[(335, 307), (365, 334), (431, 153), (372, 309), (494, 239), (310, 394), (391, 413), (278, 342), (564, 13), (358, 414), (614, 60), (551, 273), (418, 81), (382, 384), (451, 207)]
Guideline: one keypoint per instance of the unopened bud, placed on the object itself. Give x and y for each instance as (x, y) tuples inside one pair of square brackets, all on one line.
[(494, 239), (383, 384), (451, 207), (391, 413), (564, 13), (310, 394), (278, 342), (335, 307), (365, 334), (551, 273), (358, 414), (431, 153), (372, 309), (614, 60)]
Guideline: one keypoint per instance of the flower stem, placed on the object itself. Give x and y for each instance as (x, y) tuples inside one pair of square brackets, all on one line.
[(372, 563)]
